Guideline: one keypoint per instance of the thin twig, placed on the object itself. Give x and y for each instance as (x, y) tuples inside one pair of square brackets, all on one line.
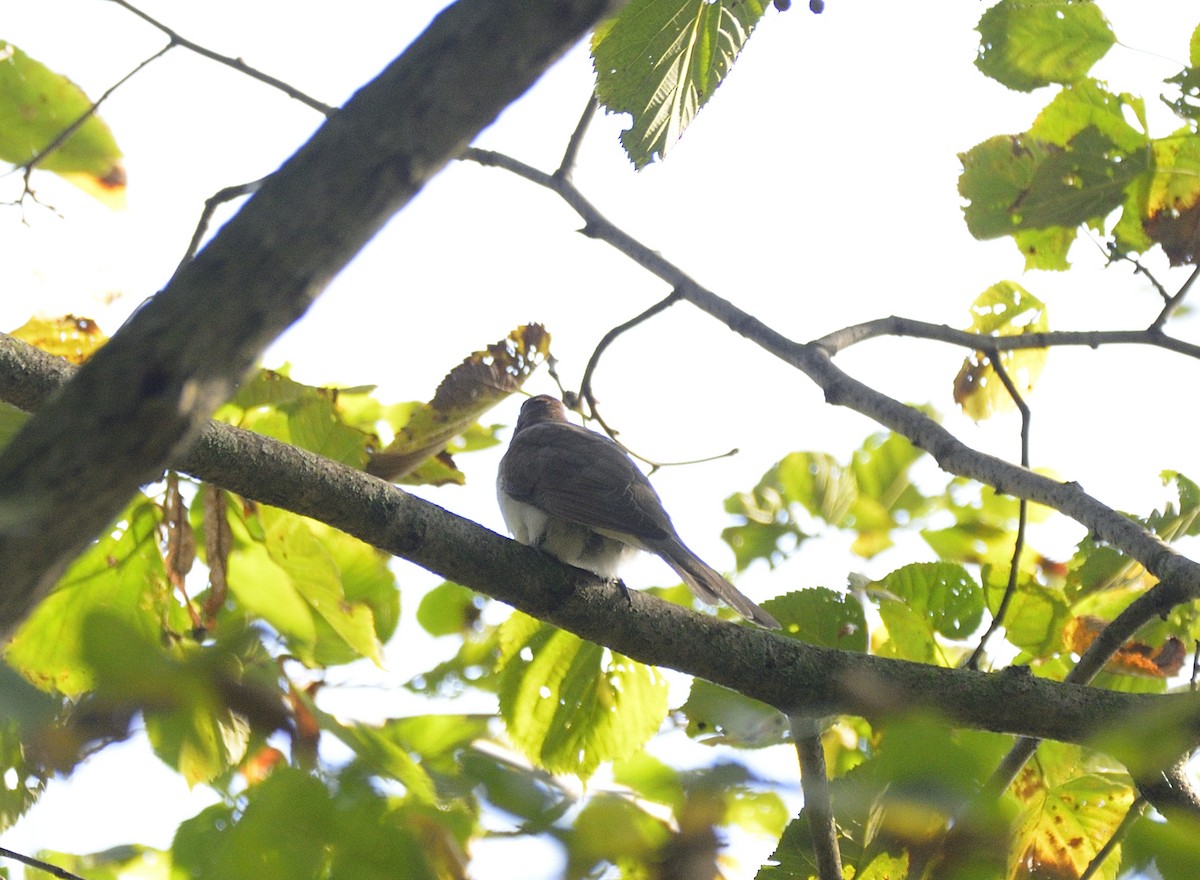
[(1115, 255), (567, 167), (39, 864), (1174, 302), (1132, 815), (814, 782), (842, 339), (227, 194), (236, 63), (1195, 667), (66, 133), (585, 387), (1014, 568)]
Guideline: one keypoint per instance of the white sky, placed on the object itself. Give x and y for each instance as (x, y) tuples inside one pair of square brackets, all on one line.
[(817, 190)]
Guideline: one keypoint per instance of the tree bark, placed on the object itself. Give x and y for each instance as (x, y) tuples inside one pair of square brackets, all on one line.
[(148, 393)]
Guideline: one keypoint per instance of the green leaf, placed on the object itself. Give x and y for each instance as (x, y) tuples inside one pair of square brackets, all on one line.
[(23, 783), (275, 405), (36, 106), (571, 705), (126, 862), (718, 716), (1026, 44), (1018, 182), (661, 60), (872, 495), (768, 530), (283, 833), (921, 600), (942, 593), (1004, 309), (512, 786), (615, 830), (1187, 105), (122, 573), (1167, 849), (820, 616), (881, 472), (321, 589), (1036, 615), (1088, 105), (382, 751), (187, 722), (448, 609)]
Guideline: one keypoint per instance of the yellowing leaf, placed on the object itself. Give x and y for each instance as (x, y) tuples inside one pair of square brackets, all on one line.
[(1071, 808), (36, 106), (70, 337), (1005, 309), (472, 388), (1172, 213)]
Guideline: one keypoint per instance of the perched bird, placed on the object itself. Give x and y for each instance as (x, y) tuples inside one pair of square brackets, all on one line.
[(576, 495)]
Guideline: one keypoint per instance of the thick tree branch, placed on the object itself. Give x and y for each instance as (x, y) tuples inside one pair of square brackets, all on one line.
[(146, 395), (798, 679)]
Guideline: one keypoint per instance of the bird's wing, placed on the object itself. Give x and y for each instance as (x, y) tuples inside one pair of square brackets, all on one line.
[(587, 480)]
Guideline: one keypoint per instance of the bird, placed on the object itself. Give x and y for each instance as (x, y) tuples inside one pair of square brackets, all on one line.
[(577, 496)]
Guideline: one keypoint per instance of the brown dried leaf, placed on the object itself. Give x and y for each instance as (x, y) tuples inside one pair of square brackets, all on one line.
[(472, 388), (1133, 658)]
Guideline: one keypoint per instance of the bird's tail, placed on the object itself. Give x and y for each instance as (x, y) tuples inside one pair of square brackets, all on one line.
[(710, 587)]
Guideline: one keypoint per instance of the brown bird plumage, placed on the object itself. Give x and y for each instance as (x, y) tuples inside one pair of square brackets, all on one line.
[(576, 495)]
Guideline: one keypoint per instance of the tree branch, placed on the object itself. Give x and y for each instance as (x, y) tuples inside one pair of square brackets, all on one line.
[(815, 360), (818, 806), (796, 678), (236, 63), (144, 397), (842, 339)]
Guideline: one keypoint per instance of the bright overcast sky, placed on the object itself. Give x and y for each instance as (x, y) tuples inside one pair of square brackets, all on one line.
[(817, 190)]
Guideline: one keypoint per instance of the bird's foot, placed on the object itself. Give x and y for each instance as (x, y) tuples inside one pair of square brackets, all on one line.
[(624, 590)]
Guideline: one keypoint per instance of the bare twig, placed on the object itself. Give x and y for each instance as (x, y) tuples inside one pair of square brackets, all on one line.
[(585, 387), (1014, 568), (814, 781), (1134, 813), (236, 63), (1116, 255), (1174, 302), (39, 864), (211, 204), (567, 166), (842, 339)]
